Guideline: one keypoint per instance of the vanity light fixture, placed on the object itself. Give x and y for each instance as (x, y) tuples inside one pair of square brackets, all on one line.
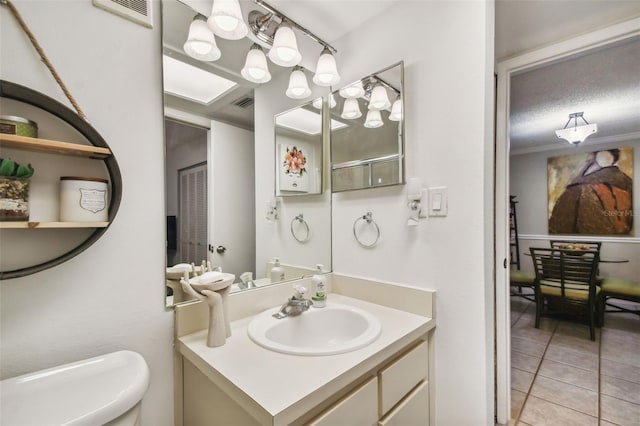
[(396, 110), (226, 20), (326, 69), (285, 47), (351, 109), (355, 90), (201, 43), (374, 120), (379, 98), (298, 86), (255, 68), (317, 103), (577, 134)]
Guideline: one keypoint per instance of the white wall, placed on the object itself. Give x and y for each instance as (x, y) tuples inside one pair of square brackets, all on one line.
[(448, 52), (109, 297)]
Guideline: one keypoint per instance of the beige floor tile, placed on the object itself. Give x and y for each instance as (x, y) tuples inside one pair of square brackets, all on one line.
[(587, 379), (619, 370), (621, 389), (524, 362), (575, 329), (517, 401), (521, 380), (584, 360), (577, 343), (526, 330), (538, 412), (574, 397), (604, 423), (527, 346), (620, 412)]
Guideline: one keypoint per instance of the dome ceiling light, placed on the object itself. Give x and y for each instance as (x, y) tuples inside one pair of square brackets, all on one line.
[(577, 134)]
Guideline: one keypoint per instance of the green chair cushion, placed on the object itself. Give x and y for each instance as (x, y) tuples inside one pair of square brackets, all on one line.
[(572, 289), (621, 286), (527, 277)]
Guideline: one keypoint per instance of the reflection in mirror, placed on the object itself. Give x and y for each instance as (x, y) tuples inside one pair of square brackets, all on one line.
[(211, 160), (367, 132), (298, 141)]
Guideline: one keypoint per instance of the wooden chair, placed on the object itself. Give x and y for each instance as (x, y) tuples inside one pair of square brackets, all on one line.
[(566, 284)]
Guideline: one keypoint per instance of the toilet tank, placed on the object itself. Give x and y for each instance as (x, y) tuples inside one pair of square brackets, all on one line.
[(93, 391)]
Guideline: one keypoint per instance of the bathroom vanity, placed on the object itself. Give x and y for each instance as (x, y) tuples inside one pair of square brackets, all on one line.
[(383, 383)]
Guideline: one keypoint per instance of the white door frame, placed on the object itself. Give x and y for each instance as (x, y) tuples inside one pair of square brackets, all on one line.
[(532, 59)]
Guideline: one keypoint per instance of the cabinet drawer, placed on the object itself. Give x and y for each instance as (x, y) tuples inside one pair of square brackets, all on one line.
[(397, 379), (359, 408), (413, 410)]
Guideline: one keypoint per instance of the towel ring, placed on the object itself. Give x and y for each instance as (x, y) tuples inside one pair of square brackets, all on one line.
[(369, 220), (304, 224)]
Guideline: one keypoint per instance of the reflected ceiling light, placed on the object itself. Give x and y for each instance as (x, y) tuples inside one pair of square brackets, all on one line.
[(317, 103), (226, 20), (396, 110), (326, 69), (577, 134), (201, 43), (379, 99), (351, 109), (255, 68), (189, 82), (373, 120), (298, 86), (285, 47), (355, 90)]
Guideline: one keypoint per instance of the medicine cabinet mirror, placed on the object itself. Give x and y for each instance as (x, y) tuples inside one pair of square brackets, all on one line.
[(298, 144), (367, 131)]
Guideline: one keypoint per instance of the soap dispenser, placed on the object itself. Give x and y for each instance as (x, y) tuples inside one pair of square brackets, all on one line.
[(277, 272), (319, 283)]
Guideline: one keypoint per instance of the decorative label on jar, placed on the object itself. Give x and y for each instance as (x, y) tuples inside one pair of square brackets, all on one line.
[(93, 200)]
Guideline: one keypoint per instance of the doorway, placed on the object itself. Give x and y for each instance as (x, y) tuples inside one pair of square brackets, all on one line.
[(506, 69), (192, 216)]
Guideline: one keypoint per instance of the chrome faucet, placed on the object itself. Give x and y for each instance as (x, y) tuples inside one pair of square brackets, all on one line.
[(296, 305)]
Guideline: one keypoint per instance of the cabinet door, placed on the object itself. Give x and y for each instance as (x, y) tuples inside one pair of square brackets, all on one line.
[(413, 410), (359, 408), (397, 379)]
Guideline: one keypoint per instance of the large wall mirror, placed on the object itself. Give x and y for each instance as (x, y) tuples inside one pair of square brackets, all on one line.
[(367, 132), (214, 198)]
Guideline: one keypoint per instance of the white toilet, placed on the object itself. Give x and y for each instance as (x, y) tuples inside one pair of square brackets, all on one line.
[(104, 390)]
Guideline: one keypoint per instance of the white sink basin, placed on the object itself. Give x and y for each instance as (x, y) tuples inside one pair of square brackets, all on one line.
[(331, 330)]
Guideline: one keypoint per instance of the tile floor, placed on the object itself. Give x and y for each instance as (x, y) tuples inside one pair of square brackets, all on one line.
[(560, 377)]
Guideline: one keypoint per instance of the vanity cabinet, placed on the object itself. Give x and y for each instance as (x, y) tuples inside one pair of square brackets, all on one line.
[(50, 242)]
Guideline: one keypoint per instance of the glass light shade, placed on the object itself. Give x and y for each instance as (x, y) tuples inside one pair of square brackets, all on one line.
[(285, 47), (373, 120), (226, 20), (577, 135), (351, 109), (355, 90), (326, 70), (317, 103), (298, 86), (332, 101), (379, 99), (396, 110), (255, 68), (201, 43)]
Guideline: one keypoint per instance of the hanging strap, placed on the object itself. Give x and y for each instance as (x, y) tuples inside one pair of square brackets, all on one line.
[(43, 56)]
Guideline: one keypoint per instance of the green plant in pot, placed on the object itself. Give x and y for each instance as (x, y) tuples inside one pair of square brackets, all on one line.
[(14, 190)]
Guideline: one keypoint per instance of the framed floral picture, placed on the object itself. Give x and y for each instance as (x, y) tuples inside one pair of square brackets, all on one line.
[(591, 193), (293, 174)]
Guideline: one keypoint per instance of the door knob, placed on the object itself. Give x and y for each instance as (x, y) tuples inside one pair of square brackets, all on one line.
[(221, 249)]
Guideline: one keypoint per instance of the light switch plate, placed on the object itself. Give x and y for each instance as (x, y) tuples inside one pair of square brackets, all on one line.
[(438, 201)]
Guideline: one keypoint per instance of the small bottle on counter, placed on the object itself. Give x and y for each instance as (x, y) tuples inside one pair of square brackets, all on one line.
[(319, 283), (277, 272)]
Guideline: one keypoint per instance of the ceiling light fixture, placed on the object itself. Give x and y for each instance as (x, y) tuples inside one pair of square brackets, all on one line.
[(355, 90), (201, 43), (351, 109), (285, 47), (396, 110), (255, 68), (226, 20), (577, 134), (379, 98), (298, 86)]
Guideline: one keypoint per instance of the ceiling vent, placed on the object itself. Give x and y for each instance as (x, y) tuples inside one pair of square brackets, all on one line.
[(244, 102), (138, 11)]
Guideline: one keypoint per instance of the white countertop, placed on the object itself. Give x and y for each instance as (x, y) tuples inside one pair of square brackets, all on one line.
[(287, 386)]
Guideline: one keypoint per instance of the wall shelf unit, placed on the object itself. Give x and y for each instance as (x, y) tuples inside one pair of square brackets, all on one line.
[(97, 149)]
